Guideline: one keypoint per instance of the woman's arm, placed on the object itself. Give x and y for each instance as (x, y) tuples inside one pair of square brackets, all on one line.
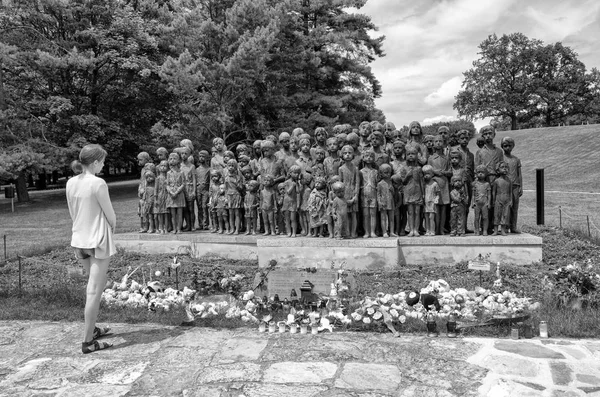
[(104, 200)]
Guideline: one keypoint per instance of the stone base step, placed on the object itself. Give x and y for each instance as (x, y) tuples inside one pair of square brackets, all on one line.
[(360, 253)]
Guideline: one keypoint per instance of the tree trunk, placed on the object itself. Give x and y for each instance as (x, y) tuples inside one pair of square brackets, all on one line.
[(22, 193), (41, 182), (513, 122)]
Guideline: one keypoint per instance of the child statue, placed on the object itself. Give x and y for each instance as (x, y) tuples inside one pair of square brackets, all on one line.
[(213, 195), (515, 177), (148, 199), (251, 204), (234, 187), (464, 137), (268, 204), (304, 191), (320, 139), (289, 207), (217, 162), (222, 210), (397, 163), (304, 160), (269, 164), (145, 162), (353, 140), (502, 195), (162, 154), (385, 201), (413, 189), (368, 193), (175, 187), (441, 171), (432, 199), (350, 178), (482, 200), (364, 132), (339, 210), (415, 138), (202, 189), (318, 167), (458, 201), (489, 156), (317, 208), (377, 145), (160, 198), (189, 176), (330, 197)]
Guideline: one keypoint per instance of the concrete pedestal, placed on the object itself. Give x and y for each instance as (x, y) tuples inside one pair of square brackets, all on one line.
[(324, 253)]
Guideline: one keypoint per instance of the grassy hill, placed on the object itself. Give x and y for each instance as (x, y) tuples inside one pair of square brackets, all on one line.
[(570, 156)]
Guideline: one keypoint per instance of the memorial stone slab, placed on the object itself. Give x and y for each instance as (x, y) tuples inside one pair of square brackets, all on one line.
[(282, 281)]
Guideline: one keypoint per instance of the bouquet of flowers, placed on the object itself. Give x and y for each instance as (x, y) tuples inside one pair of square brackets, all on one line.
[(576, 281)]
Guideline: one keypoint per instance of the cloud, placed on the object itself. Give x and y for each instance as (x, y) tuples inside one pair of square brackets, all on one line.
[(431, 42), (438, 119), (445, 93)]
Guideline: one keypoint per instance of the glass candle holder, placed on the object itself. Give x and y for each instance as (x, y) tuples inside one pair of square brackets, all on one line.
[(262, 327)]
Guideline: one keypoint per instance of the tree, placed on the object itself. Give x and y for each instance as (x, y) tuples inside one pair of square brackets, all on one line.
[(253, 67), (76, 72), (560, 84), (500, 82)]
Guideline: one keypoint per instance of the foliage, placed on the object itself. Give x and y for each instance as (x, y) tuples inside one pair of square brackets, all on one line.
[(576, 284), (521, 80), (77, 72), (135, 75), (245, 68)]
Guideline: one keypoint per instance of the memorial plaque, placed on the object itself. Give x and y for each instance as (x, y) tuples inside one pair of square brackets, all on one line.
[(281, 282)]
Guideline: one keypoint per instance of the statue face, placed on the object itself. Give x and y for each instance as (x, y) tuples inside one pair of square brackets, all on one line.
[(480, 175), (332, 145), (415, 130), (455, 160), (320, 185), (411, 155), (438, 142), (488, 136), (458, 184), (369, 157), (202, 158), (231, 168), (427, 176), (503, 168), (386, 172), (347, 154), (219, 145), (444, 135), (174, 159), (305, 146), (398, 151), (267, 151), (463, 140), (339, 193), (320, 156), (364, 129), (215, 177), (375, 140), (285, 143), (295, 175), (507, 147), (320, 136)]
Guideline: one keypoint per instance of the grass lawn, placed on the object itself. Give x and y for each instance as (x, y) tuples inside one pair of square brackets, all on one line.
[(40, 231)]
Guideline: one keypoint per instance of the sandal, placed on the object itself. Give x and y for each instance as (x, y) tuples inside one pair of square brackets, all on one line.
[(94, 345), (101, 332)]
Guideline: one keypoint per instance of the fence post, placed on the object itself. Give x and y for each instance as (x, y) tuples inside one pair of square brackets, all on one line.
[(560, 216), (539, 195), (588, 222), (20, 271)]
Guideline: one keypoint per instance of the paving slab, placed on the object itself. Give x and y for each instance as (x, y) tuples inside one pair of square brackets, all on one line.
[(155, 360)]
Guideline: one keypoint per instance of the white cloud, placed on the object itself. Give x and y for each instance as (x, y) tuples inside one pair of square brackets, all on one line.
[(445, 93), (431, 42), (438, 119)]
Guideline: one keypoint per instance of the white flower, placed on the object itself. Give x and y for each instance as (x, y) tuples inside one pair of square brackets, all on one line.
[(366, 320), (402, 319), (377, 315)]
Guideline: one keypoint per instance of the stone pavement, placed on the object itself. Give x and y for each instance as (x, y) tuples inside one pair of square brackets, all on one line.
[(44, 359)]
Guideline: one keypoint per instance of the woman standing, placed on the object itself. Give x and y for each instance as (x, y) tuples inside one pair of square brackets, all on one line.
[(94, 221)]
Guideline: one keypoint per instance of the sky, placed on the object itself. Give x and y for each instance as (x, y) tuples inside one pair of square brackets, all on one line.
[(430, 43)]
